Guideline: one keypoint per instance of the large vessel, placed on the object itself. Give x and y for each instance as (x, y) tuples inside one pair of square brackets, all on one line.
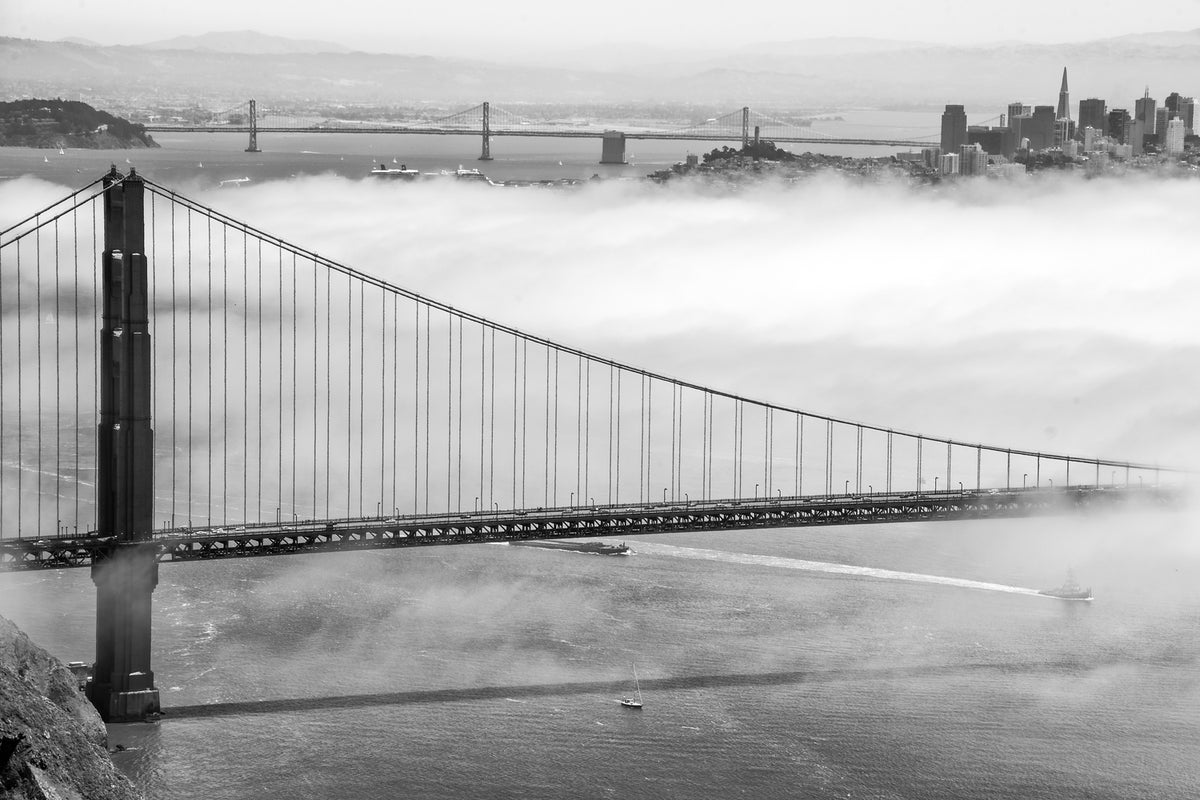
[(598, 548), (403, 173), (1070, 590)]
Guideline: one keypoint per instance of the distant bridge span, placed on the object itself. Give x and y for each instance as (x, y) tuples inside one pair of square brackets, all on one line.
[(487, 122)]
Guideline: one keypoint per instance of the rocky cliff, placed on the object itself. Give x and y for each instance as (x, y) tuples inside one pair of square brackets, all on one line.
[(52, 742)]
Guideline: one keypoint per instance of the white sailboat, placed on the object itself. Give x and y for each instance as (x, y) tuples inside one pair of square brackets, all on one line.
[(629, 702)]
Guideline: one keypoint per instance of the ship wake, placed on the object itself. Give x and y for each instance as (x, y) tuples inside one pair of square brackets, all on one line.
[(696, 553)]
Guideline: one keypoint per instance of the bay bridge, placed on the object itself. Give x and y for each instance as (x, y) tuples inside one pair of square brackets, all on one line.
[(178, 385), (487, 121)]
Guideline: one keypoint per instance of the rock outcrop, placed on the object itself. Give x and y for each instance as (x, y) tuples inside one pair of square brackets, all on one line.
[(52, 742)]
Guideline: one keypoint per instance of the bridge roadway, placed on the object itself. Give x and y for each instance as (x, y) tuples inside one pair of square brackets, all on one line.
[(371, 533), (552, 134)]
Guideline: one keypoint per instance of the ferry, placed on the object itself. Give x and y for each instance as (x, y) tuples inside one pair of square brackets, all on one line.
[(1070, 590)]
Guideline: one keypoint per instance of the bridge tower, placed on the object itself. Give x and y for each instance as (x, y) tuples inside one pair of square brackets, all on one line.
[(486, 155), (126, 573), (253, 147), (745, 127)]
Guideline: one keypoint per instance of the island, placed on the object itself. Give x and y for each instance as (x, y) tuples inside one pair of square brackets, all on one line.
[(67, 123)]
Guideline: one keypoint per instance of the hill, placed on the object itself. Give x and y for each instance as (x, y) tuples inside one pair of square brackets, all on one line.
[(67, 123)]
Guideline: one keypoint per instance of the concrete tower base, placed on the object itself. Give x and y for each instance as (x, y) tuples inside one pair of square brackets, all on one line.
[(613, 148)]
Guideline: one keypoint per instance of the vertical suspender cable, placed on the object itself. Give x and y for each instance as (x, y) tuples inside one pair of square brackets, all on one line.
[(328, 385), (546, 454), (587, 425), (514, 450), (349, 394), (449, 412), (524, 413), (461, 347), (362, 389), (315, 379), (579, 428), (416, 407), (224, 372), (37, 242), (75, 239), (674, 393), (245, 376), (20, 403), (295, 364), (396, 400), (57, 393), (482, 410), (555, 480), (492, 424), (188, 438), (642, 443), (617, 480)]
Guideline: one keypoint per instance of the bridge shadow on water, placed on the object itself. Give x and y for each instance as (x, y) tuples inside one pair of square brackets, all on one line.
[(620, 687)]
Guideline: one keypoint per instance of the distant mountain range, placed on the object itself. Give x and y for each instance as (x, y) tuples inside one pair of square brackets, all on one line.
[(824, 73), (250, 42)]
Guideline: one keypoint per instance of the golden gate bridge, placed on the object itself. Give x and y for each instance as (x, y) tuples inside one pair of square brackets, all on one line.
[(486, 121), (179, 385)]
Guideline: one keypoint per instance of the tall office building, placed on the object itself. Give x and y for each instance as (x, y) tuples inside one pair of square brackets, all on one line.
[(1116, 124), (1040, 128), (1187, 113), (954, 128), (972, 160), (1161, 116), (1144, 112), (1172, 102), (1064, 99), (1173, 137), (1092, 113), (1017, 114)]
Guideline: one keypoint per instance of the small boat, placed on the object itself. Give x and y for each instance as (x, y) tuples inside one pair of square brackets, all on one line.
[(629, 702), (1070, 590)]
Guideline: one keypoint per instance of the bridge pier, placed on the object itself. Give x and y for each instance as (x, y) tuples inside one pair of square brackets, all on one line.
[(612, 148), (122, 686), (486, 154), (253, 146), (126, 570)]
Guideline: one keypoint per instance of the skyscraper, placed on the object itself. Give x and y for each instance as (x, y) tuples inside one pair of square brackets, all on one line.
[(1117, 119), (1144, 112), (1018, 113), (1092, 113), (954, 128), (1064, 99), (1173, 137), (1187, 113), (1143, 121), (1040, 128)]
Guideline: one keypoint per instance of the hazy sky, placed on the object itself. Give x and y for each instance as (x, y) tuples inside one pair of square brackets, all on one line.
[(439, 27)]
